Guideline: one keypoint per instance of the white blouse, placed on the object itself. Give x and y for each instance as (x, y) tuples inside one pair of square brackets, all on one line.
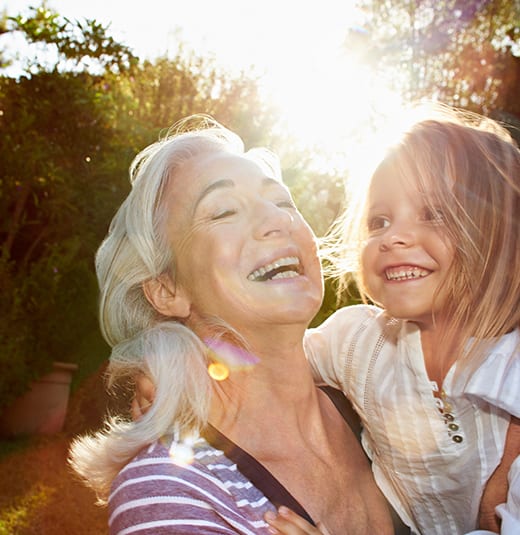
[(431, 458)]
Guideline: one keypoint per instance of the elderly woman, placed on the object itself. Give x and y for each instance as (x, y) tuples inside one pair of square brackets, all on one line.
[(209, 277)]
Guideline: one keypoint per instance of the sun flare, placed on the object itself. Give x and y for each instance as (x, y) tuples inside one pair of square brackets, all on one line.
[(310, 59)]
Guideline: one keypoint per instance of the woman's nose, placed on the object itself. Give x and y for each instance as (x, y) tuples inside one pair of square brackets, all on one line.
[(272, 220)]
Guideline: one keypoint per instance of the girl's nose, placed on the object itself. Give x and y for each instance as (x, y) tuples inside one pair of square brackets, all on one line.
[(272, 220), (397, 236)]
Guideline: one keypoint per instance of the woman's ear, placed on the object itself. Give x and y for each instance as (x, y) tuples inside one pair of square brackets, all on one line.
[(166, 297)]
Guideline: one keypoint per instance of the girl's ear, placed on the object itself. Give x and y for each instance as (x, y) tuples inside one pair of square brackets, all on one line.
[(166, 297)]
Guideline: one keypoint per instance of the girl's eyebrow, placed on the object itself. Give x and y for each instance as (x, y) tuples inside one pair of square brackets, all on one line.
[(377, 205)]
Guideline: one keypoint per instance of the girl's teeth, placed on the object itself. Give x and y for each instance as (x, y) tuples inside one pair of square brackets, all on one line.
[(405, 274)]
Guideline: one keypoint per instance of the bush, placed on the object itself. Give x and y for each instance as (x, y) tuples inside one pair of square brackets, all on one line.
[(51, 308)]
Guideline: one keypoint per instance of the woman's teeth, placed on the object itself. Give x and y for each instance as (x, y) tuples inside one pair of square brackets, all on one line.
[(283, 268)]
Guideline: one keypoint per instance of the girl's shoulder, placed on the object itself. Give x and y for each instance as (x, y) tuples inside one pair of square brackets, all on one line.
[(367, 321), (354, 314), (497, 378)]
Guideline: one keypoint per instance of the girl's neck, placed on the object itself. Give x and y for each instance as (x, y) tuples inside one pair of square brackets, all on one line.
[(440, 351)]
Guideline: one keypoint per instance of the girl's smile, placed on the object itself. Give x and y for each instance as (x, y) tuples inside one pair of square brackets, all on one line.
[(406, 255)]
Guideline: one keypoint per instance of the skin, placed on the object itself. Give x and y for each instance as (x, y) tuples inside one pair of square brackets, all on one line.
[(496, 488), (406, 236), (289, 523), (232, 218)]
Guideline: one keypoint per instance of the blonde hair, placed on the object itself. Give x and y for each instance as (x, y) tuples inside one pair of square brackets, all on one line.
[(136, 250), (469, 166)]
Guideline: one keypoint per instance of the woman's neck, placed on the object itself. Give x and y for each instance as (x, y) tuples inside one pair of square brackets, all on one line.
[(278, 389)]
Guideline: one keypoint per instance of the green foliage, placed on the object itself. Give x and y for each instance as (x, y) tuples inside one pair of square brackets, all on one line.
[(63, 171), (76, 43), (67, 136), (17, 517), (52, 307), (71, 124), (318, 195)]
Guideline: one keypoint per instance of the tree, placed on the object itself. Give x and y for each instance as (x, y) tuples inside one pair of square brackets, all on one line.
[(69, 126), (459, 51), (56, 141)]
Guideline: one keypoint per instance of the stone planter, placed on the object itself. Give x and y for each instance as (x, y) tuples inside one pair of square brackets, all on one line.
[(43, 408)]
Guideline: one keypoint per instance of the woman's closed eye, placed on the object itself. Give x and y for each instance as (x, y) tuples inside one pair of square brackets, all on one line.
[(222, 214)]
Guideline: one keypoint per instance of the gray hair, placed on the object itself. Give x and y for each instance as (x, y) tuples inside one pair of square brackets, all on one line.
[(145, 342)]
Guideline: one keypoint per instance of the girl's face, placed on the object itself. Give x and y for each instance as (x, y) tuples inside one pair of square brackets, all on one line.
[(244, 252), (407, 254)]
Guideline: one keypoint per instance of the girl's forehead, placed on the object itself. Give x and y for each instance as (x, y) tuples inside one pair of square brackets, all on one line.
[(392, 189)]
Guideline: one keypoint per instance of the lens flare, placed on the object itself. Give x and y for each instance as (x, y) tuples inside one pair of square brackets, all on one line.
[(218, 371), (181, 451), (226, 357)]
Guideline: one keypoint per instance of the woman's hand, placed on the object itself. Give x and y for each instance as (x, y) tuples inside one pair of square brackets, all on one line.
[(287, 522), (143, 397)]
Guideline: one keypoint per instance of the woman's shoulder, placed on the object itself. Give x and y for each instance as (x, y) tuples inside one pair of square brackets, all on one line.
[(168, 463), (182, 485)]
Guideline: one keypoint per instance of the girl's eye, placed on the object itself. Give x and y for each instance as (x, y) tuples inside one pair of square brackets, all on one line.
[(377, 223), (288, 203), (434, 215), (223, 214)]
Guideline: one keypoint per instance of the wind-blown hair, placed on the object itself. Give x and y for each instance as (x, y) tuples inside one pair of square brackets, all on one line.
[(467, 166), (143, 341)]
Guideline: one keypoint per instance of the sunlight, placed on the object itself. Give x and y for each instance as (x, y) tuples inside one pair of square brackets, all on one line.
[(310, 59), (335, 106), (329, 98)]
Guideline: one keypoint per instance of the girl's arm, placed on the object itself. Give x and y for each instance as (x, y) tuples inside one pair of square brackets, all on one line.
[(496, 491)]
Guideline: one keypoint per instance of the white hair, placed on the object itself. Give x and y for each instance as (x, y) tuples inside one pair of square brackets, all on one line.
[(145, 342)]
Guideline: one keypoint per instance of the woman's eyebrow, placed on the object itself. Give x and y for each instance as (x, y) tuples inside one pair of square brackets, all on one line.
[(223, 183)]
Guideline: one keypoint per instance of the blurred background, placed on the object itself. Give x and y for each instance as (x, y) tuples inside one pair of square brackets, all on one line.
[(85, 85)]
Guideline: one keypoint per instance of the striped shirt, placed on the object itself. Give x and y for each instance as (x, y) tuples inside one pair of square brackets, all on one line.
[(154, 495), (431, 457)]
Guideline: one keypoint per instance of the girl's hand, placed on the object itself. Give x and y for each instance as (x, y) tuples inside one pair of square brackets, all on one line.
[(143, 398), (287, 522)]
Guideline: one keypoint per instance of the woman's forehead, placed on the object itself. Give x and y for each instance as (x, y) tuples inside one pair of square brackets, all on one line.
[(201, 172)]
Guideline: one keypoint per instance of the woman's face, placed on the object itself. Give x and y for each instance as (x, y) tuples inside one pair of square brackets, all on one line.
[(244, 252)]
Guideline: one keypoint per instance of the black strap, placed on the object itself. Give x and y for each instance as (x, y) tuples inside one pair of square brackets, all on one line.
[(344, 408), (261, 478)]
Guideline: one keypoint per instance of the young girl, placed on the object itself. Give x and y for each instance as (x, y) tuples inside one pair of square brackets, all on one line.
[(435, 373)]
